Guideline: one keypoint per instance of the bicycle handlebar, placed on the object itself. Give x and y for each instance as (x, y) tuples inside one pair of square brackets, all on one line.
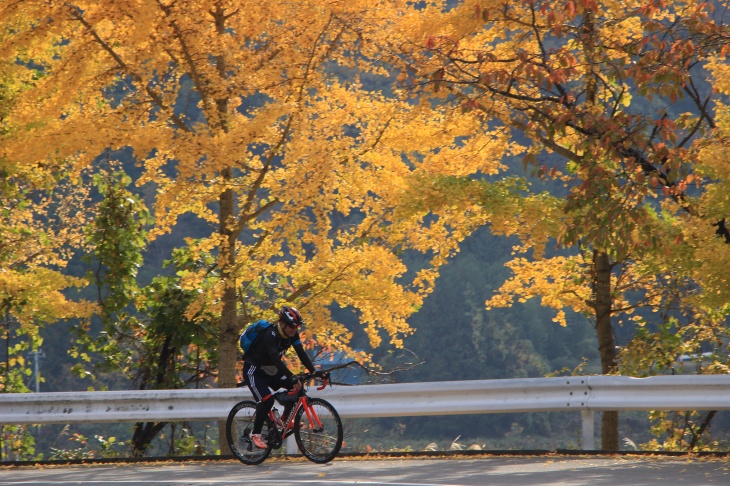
[(323, 376)]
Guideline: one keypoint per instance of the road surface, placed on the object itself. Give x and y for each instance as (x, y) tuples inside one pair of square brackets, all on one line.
[(493, 471)]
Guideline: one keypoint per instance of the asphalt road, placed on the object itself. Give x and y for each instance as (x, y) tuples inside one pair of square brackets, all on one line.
[(508, 471)]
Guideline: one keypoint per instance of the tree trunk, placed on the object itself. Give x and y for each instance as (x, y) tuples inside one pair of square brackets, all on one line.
[(144, 433), (606, 344), (601, 262), (228, 328)]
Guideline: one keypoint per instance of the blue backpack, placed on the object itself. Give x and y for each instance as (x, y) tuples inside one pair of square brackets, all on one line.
[(252, 333)]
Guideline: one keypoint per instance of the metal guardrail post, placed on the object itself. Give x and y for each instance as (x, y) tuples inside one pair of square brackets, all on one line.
[(588, 436), (291, 445)]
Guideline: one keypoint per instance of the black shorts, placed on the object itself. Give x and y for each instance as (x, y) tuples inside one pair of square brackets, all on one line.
[(261, 383)]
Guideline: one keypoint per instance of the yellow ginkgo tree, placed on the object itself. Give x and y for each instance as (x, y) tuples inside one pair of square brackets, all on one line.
[(699, 259), (265, 121), (608, 104), (41, 219)]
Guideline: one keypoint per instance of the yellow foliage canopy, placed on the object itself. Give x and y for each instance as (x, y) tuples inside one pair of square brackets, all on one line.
[(253, 117), (593, 91)]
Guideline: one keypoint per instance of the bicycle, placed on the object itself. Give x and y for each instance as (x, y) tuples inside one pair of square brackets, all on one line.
[(315, 423)]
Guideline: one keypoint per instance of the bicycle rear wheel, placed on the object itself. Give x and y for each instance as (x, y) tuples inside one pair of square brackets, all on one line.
[(318, 444), (238, 431)]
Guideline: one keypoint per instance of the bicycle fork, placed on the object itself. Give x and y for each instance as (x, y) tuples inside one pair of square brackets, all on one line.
[(312, 418)]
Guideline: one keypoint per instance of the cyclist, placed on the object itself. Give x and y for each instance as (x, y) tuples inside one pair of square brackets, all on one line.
[(263, 369)]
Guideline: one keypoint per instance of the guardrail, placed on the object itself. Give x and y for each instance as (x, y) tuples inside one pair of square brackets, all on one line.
[(585, 394)]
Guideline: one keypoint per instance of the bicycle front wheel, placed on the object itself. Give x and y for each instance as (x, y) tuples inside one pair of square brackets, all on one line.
[(238, 431), (318, 443)]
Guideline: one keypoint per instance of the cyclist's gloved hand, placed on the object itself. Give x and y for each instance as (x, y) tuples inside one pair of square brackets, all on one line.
[(321, 374)]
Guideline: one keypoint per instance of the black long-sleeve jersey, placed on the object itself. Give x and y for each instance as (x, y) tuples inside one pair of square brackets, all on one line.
[(268, 349)]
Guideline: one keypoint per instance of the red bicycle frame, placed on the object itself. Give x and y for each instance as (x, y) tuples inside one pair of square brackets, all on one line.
[(312, 416)]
